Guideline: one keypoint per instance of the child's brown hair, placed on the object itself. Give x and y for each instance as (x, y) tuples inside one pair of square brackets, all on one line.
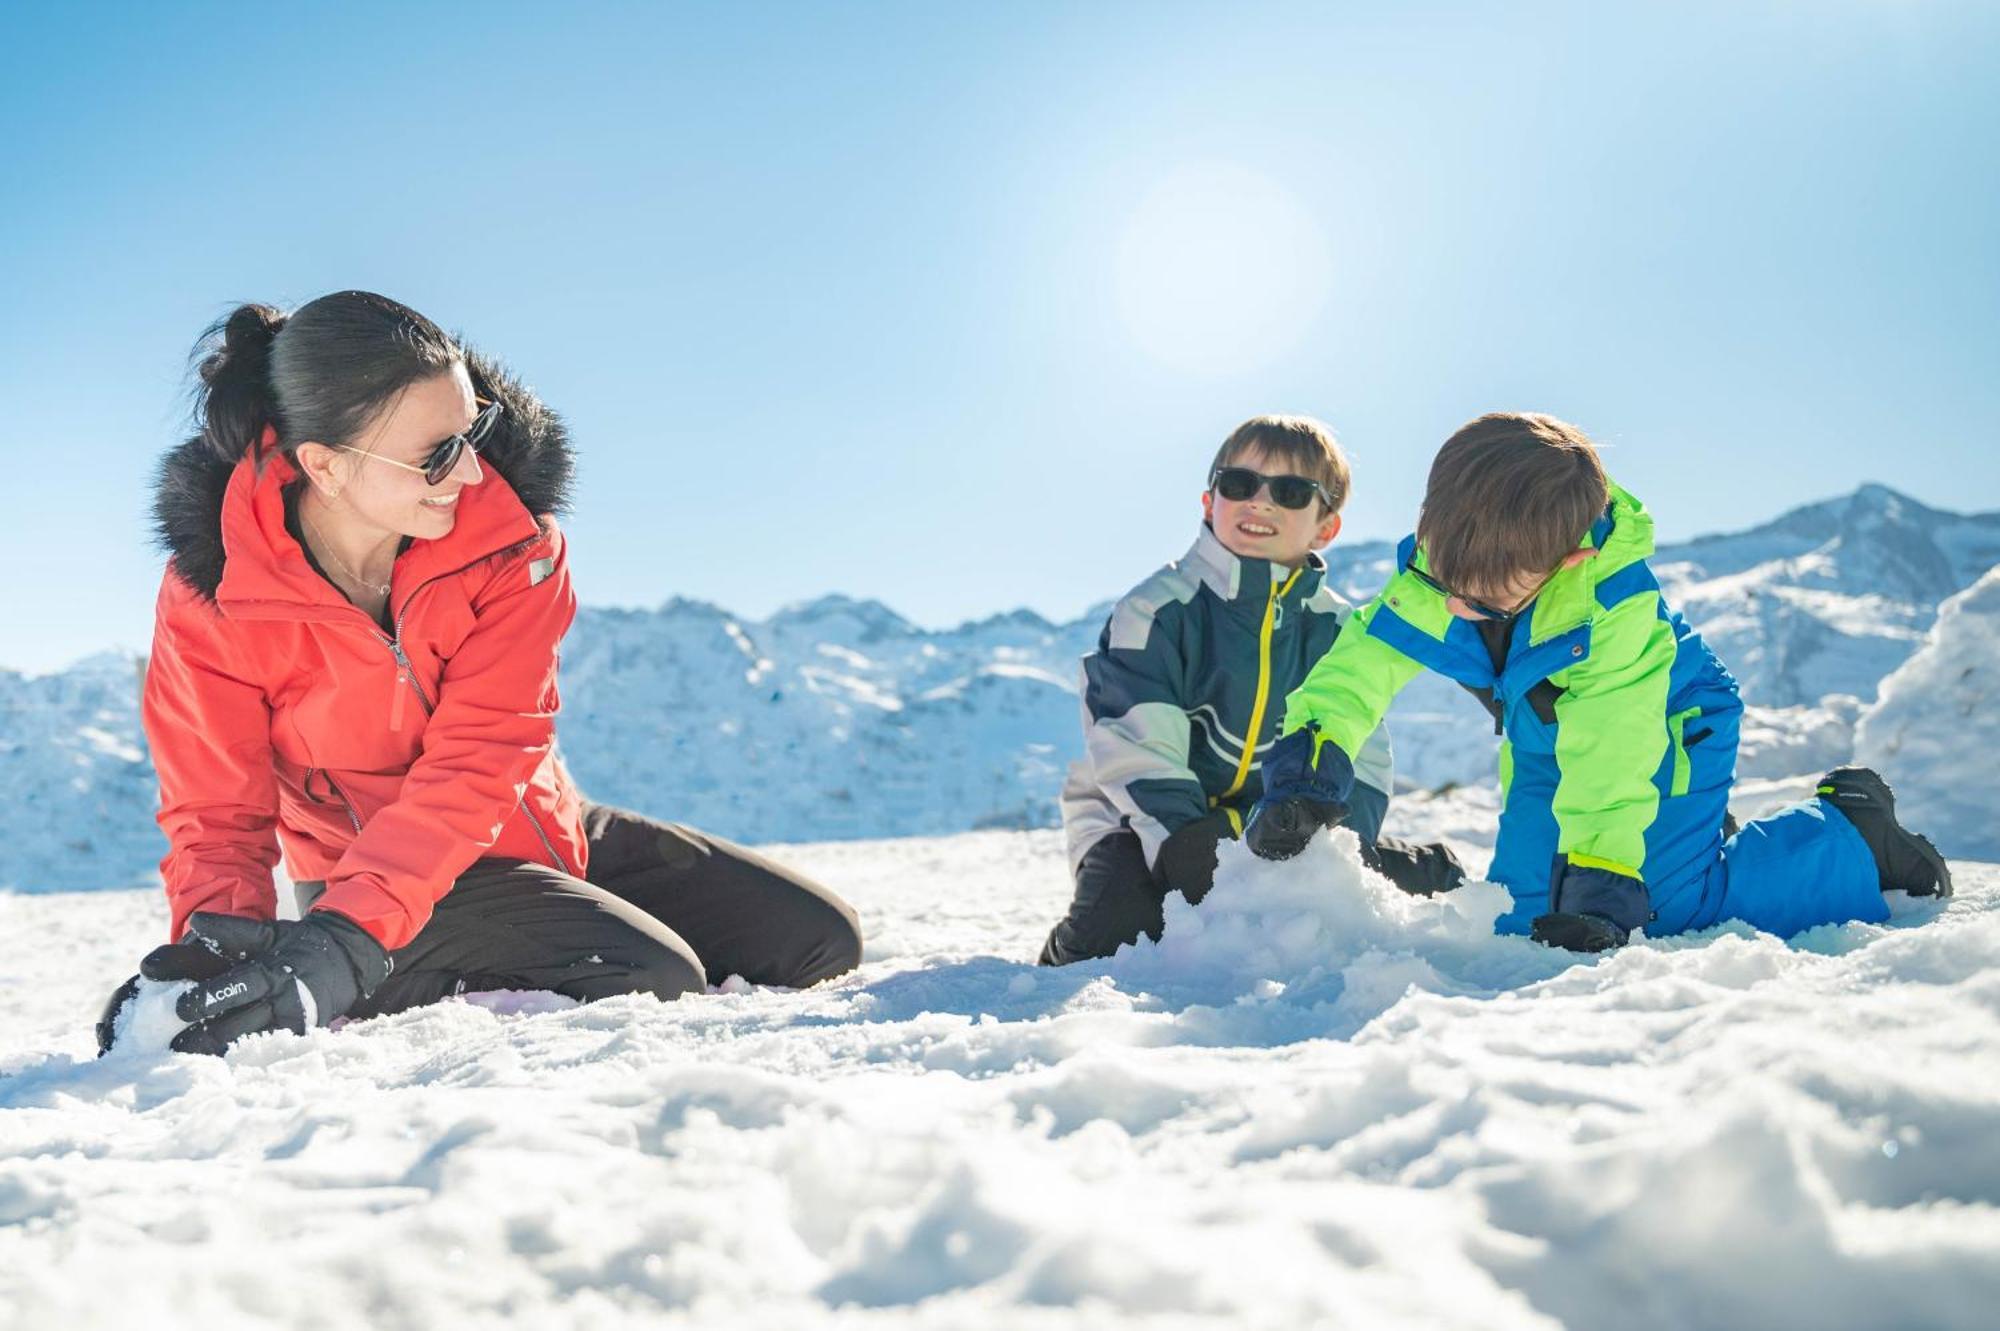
[(1511, 493)]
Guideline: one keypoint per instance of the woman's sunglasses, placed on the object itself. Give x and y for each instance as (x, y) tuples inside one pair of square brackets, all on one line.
[(445, 456), (1237, 484)]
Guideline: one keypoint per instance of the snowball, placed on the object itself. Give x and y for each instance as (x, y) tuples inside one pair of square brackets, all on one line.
[(147, 1023)]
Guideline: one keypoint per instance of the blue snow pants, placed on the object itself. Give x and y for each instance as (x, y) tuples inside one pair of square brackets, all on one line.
[(1799, 867)]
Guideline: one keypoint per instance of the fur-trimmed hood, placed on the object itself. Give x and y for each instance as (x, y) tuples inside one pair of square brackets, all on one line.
[(529, 447)]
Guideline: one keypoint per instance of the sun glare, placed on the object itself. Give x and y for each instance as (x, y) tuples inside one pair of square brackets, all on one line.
[(1220, 270)]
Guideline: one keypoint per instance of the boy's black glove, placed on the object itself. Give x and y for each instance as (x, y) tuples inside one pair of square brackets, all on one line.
[(1591, 909), (169, 961), (1186, 862), (1281, 827), (288, 975), (1306, 784), (1578, 933), (1421, 870)]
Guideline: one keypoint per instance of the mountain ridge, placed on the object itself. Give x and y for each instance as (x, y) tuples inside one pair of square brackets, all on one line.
[(872, 725)]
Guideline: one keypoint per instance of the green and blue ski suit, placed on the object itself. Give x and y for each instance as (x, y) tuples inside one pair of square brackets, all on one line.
[(1620, 730)]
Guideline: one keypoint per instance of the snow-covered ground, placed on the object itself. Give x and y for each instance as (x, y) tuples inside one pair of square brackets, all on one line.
[(1317, 1103)]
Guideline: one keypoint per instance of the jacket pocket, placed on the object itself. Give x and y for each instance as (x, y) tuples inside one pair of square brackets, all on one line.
[(1677, 731)]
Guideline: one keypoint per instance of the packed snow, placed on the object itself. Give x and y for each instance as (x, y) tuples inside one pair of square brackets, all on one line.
[(1316, 1102)]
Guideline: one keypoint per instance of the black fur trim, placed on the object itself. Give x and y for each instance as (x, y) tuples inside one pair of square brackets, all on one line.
[(529, 447)]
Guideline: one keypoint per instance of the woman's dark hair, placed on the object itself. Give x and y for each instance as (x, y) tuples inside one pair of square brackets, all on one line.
[(321, 372)]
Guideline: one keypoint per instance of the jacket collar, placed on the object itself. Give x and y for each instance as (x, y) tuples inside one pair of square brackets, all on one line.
[(265, 574), (528, 449), (1248, 581), (1622, 538)]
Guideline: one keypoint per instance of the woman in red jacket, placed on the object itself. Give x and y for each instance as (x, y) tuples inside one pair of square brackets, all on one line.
[(354, 660)]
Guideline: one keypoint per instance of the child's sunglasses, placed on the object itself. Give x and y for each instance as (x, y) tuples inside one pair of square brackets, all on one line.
[(445, 456), (1237, 484), (1478, 607)]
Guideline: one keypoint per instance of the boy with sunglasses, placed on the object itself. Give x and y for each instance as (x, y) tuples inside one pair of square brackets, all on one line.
[(1527, 582), (1183, 694)]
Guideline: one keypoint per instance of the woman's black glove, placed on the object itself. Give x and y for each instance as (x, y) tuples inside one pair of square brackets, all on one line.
[(282, 975)]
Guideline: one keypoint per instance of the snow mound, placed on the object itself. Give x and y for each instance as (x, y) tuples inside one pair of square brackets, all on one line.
[(1936, 729), (1323, 935)]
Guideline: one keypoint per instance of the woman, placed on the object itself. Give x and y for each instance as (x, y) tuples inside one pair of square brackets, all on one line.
[(355, 658)]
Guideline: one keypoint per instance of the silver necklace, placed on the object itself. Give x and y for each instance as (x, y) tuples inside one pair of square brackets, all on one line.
[(326, 548)]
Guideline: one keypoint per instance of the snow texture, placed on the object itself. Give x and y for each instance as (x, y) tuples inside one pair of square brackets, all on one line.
[(1935, 733), (874, 727), (1315, 1103)]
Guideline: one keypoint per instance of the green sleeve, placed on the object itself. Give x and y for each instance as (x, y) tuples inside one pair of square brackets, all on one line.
[(1351, 687), (1611, 734)]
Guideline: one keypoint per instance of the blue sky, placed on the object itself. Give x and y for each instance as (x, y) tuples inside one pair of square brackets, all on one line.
[(948, 305)]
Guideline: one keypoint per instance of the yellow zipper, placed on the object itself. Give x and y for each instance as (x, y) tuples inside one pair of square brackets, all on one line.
[(1263, 687)]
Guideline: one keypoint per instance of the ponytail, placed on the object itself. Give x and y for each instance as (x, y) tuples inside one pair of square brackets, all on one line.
[(235, 401), (322, 372)]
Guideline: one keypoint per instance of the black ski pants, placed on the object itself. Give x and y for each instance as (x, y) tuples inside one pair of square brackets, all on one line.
[(1117, 897), (665, 910)]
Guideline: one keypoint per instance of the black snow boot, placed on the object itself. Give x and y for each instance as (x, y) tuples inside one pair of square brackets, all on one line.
[(1904, 861)]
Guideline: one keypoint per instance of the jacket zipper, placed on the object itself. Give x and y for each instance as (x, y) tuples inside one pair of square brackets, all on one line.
[(408, 672), (548, 845), (338, 793), (1263, 687)]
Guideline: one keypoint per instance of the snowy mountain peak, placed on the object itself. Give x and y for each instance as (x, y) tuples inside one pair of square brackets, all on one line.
[(1022, 619), (1874, 540), (1871, 498), (1830, 596), (869, 620), (688, 608)]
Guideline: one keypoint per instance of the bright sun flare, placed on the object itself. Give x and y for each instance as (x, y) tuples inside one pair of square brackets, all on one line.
[(1220, 270)]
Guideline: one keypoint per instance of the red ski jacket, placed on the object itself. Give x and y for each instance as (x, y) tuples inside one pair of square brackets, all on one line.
[(383, 762)]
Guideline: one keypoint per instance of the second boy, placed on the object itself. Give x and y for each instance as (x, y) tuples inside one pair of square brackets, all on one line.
[(1187, 688)]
